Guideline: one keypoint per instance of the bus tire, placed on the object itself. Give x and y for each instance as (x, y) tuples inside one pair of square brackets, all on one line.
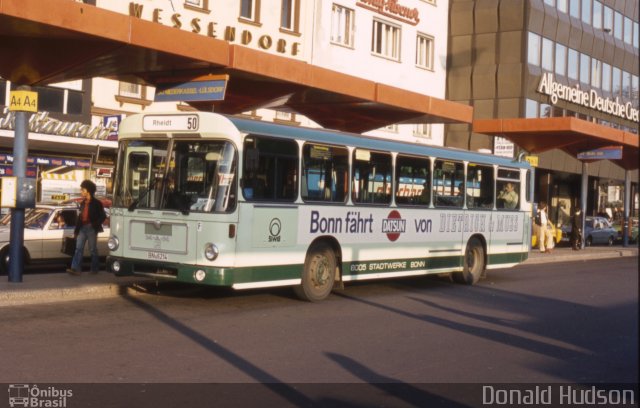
[(318, 275), (473, 263)]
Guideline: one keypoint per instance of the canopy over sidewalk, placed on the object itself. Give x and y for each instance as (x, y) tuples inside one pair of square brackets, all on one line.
[(569, 134), (61, 40)]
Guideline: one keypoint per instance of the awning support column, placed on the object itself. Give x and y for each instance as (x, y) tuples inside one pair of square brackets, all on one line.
[(583, 198), (627, 202)]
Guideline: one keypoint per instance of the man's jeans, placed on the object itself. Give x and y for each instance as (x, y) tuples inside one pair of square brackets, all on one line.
[(86, 235)]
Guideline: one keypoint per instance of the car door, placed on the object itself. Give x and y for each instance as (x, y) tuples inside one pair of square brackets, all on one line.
[(53, 233)]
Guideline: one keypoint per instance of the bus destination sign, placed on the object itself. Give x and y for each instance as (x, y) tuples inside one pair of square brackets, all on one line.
[(170, 123)]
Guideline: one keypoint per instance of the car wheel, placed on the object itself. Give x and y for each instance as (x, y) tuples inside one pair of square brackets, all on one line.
[(4, 261)]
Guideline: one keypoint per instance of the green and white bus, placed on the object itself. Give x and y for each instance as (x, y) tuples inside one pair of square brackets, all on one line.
[(218, 200)]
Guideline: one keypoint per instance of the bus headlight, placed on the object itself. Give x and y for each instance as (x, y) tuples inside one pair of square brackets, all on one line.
[(113, 243), (211, 251), (115, 266)]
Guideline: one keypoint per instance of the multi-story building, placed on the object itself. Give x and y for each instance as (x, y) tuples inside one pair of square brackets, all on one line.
[(549, 59)]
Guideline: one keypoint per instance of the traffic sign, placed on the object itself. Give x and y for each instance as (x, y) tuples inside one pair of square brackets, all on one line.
[(532, 160)]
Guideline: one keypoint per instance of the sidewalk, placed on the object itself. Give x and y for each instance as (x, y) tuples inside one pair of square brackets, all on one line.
[(59, 287)]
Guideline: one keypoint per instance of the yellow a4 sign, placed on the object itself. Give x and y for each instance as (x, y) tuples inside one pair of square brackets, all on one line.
[(23, 101)]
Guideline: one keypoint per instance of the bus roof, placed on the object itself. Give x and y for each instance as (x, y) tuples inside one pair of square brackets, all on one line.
[(320, 135)]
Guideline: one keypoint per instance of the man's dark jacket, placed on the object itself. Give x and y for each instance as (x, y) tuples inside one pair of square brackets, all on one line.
[(96, 215)]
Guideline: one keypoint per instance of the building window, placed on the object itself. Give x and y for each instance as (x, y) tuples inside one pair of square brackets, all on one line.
[(573, 64), (607, 19), (574, 8), (391, 128), (130, 90), (626, 84), (617, 25), (628, 30), (289, 15), (385, 40), (561, 5), (342, 23), (597, 15), (424, 51), (616, 79), (584, 68), (636, 34), (530, 109), (422, 130), (606, 77), (547, 55), (250, 10), (561, 59), (586, 11), (534, 49), (200, 5), (596, 72), (635, 91), (552, 3)]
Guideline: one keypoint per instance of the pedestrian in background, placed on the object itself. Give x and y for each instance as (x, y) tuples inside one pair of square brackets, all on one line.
[(545, 237), (92, 216), (576, 229)]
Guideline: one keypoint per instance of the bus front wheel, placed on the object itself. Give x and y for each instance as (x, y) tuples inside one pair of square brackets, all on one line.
[(318, 275), (473, 266)]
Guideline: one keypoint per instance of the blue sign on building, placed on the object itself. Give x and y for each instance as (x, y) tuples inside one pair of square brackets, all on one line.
[(603, 153), (210, 88)]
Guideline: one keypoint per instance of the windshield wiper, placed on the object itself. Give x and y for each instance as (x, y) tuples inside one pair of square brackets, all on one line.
[(135, 203)]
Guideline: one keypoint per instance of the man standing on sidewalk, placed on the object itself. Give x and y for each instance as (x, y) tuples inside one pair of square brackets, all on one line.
[(90, 224), (545, 237)]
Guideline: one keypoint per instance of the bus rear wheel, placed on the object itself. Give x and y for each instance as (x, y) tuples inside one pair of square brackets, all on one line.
[(318, 275), (473, 266)]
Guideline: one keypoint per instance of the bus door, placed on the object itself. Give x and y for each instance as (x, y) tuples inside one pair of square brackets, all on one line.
[(137, 167)]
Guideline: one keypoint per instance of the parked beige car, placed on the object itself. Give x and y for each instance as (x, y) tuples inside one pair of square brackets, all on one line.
[(43, 234)]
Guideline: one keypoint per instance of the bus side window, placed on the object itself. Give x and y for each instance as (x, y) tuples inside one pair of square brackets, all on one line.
[(479, 186), (413, 179), (270, 169), (324, 173), (448, 184), (371, 176)]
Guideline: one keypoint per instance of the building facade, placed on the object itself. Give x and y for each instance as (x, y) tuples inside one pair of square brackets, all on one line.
[(546, 59)]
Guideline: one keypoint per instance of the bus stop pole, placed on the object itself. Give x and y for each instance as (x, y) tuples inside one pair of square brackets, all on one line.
[(16, 254), (627, 202), (583, 199)]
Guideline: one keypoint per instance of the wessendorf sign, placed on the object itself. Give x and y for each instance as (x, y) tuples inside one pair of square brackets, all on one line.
[(589, 99)]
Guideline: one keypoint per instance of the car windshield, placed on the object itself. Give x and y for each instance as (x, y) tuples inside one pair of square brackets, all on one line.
[(6, 219)]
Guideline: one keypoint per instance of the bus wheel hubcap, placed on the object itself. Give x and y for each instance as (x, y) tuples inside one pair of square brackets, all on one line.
[(321, 275)]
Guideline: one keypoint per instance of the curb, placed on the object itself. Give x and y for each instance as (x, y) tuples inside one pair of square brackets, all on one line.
[(18, 296), (581, 256)]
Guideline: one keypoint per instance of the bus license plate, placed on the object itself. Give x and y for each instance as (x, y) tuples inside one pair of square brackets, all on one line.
[(157, 256)]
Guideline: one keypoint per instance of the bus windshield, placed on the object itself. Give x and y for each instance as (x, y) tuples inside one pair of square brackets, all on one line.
[(183, 175)]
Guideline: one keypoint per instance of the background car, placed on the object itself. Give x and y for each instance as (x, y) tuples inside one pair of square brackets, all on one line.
[(556, 233), (43, 234), (597, 230)]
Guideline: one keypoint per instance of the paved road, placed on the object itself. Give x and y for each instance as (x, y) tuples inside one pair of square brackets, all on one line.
[(570, 322)]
